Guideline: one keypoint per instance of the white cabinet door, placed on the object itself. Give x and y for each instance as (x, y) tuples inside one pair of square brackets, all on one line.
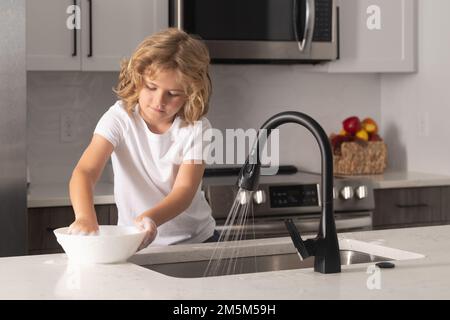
[(377, 36), (50, 43), (109, 30), (117, 28)]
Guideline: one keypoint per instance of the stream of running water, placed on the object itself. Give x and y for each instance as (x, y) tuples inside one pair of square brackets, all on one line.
[(225, 255)]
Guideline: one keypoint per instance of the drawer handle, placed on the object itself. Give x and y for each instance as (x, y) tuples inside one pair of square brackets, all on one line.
[(408, 206)]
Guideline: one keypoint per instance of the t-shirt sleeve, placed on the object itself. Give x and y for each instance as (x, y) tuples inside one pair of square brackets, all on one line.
[(112, 126), (198, 144)]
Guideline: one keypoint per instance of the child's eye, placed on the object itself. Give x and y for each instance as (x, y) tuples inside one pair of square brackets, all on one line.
[(151, 88), (173, 94)]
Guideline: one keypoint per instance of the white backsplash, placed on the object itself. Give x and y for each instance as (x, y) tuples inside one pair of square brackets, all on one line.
[(244, 96), (87, 95)]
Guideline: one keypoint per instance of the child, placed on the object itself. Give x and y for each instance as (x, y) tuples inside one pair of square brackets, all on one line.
[(152, 135)]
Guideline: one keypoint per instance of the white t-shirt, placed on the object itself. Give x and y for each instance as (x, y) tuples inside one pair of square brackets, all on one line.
[(145, 166)]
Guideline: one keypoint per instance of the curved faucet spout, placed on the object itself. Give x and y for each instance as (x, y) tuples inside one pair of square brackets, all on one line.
[(325, 246)]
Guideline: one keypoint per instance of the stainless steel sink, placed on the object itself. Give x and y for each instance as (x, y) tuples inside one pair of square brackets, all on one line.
[(196, 269)]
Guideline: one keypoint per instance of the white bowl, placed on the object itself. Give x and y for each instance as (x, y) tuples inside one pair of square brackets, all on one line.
[(113, 244)]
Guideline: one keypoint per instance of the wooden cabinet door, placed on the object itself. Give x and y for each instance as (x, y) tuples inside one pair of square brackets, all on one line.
[(377, 36), (43, 221), (445, 204), (117, 28), (113, 214), (50, 42), (407, 207)]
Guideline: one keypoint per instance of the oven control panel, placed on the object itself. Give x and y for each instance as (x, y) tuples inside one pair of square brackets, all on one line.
[(288, 196)]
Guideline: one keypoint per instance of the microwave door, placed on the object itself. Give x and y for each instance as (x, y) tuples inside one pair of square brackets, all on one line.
[(237, 20), (259, 30)]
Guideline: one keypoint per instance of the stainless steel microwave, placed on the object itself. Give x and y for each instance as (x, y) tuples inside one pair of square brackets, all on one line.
[(261, 30)]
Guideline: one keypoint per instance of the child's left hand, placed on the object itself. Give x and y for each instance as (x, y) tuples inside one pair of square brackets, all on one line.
[(147, 224)]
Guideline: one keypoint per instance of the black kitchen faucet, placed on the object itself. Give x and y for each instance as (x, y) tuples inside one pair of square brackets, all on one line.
[(324, 247)]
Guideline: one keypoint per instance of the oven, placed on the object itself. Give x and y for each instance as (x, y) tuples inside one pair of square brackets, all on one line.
[(290, 195)]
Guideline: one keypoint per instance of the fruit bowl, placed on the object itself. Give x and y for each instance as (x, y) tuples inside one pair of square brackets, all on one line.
[(112, 244), (360, 159), (358, 149)]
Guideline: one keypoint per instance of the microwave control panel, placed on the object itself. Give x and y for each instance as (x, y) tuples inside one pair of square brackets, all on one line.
[(323, 26)]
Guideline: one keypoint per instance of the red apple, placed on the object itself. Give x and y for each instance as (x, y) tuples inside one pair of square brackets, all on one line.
[(337, 140), (374, 137), (352, 125)]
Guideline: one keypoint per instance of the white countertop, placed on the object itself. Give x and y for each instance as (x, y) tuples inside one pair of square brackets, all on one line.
[(398, 179), (57, 194), (52, 277), (53, 195)]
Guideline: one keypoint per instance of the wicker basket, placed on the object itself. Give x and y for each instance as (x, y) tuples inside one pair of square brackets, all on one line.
[(360, 158)]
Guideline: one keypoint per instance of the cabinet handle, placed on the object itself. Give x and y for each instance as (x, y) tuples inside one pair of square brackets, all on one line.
[(74, 52), (179, 18), (408, 206), (90, 28), (309, 24)]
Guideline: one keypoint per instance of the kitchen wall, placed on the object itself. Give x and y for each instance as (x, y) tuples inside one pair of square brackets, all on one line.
[(81, 97), (244, 96), (415, 108)]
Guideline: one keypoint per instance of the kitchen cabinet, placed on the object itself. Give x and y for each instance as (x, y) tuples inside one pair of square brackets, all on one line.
[(50, 45), (411, 207), (108, 30), (113, 214), (377, 36), (445, 203), (42, 222)]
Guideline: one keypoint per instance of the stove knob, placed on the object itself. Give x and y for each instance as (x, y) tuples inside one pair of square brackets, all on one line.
[(347, 192), (361, 192), (259, 197)]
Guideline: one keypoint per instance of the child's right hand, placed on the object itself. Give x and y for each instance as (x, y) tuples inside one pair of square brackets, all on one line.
[(83, 227)]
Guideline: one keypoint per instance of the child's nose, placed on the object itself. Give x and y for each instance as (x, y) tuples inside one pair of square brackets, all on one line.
[(160, 99)]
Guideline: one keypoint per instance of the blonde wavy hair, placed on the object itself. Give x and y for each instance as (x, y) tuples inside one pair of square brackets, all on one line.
[(170, 49)]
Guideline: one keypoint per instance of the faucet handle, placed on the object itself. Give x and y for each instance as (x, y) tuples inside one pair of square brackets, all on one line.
[(297, 239)]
